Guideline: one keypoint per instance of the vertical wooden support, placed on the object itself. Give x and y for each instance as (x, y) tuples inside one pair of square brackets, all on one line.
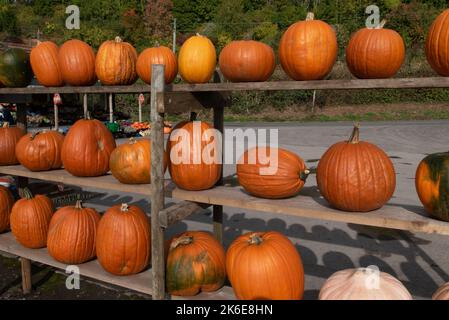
[(218, 210), (157, 179), (111, 108), (85, 106), (23, 183)]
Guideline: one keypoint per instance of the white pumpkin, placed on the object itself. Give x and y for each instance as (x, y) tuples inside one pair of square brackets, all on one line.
[(363, 284), (442, 293)]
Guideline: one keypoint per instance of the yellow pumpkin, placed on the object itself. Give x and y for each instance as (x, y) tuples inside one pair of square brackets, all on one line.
[(197, 60)]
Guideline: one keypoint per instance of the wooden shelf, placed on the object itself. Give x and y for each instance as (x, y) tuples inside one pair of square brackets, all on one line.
[(399, 83), (141, 282), (413, 219)]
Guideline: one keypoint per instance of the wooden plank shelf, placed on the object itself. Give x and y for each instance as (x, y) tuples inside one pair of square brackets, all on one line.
[(393, 216), (339, 84)]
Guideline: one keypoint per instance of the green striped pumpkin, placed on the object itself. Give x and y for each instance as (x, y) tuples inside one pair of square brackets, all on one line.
[(15, 68)]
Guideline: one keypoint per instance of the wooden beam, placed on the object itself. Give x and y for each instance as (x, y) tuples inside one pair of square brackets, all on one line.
[(26, 275), (157, 180), (178, 212)]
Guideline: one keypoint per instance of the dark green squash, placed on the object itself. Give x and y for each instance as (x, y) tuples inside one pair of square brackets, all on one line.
[(432, 184), (15, 68)]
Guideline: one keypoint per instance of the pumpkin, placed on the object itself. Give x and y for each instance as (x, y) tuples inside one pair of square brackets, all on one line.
[(437, 47), (123, 240), (15, 69), (356, 175), (6, 204), (363, 284), (45, 64), (442, 293), (30, 219), (130, 162), (265, 266), (77, 62), (195, 262), (197, 59), (243, 61), (157, 55), (375, 53), (8, 140), (308, 49), (432, 184), (271, 173), (194, 151), (40, 151), (72, 234), (115, 63), (87, 148)]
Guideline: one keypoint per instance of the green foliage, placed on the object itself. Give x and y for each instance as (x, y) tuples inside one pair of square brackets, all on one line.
[(8, 20), (190, 14)]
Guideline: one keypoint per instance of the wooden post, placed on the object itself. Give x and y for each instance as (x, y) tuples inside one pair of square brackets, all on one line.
[(157, 180), (85, 106), (111, 108), (26, 275)]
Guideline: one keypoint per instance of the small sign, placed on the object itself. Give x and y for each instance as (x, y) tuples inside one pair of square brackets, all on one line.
[(57, 99), (141, 99)]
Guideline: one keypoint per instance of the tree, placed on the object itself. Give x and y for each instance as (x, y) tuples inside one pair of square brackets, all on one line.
[(190, 14), (158, 17)]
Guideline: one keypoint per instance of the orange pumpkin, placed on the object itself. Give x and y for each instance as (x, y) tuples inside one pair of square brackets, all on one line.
[(197, 60), (271, 173), (375, 53), (40, 151), (265, 266), (30, 219), (45, 64), (123, 240), (72, 234), (8, 140), (6, 204), (243, 61), (308, 49), (157, 55), (115, 63), (194, 152), (442, 293), (77, 62), (195, 262), (437, 44), (87, 148), (130, 162), (356, 175)]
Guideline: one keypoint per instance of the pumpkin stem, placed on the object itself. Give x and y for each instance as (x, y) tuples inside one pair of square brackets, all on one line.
[(124, 207), (255, 239), (304, 174), (34, 134), (25, 193), (132, 140), (79, 204), (118, 39), (181, 241), (157, 44), (198, 35), (5, 124), (310, 16), (355, 134), (381, 24)]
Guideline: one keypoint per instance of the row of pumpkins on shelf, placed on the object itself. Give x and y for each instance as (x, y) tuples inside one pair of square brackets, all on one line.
[(307, 51), (352, 175), (259, 265)]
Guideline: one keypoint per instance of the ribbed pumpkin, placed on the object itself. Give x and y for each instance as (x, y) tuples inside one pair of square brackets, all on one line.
[(375, 53), (437, 44), (363, 284), (8, 140), (243, 61), (40, 151), (30, 219), (115, 63), (308, 49), (432, 184), (271, 173), (15, 69), (77, 62), (442, 293), (157, 55), (195, 262), (45, 64), (87, 148), (124, 240), (6, 204), (356, 175), (197, 59), (193, 152), (130, 162), (265, 266), (72, 234)]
